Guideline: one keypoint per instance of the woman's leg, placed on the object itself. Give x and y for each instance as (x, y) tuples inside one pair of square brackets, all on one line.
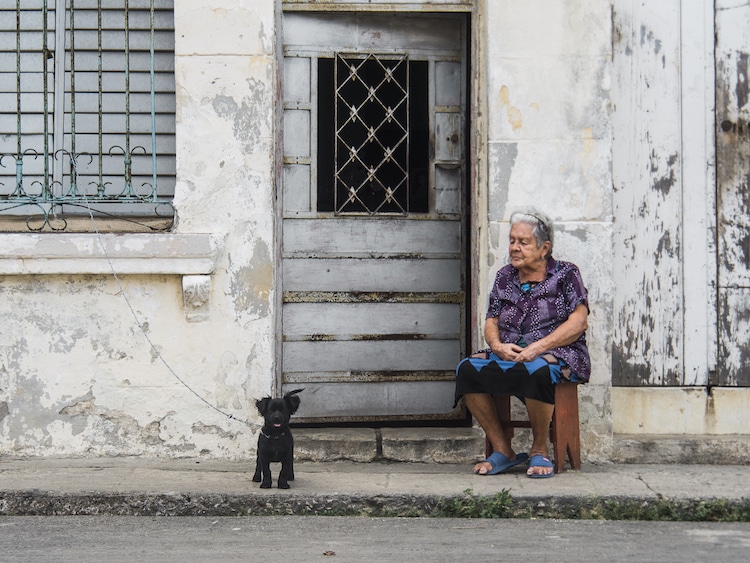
[(540, 416), (482, 408)]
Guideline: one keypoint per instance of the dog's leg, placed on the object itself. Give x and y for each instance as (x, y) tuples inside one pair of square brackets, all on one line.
[(266, 484), (287, 471), (263, 466)]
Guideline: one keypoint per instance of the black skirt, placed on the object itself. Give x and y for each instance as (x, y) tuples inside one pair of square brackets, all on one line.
[(532, 380)]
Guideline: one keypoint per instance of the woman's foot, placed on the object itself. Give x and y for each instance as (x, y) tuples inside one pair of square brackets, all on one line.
[(498, 462), (540, 466)]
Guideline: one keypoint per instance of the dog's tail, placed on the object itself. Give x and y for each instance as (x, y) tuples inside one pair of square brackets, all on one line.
[(290, 393)]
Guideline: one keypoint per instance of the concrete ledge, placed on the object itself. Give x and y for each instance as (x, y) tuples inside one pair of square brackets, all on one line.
[(680, 410), (419, 445), (434, 445), (89, 253), (320, 444), (660, 448)]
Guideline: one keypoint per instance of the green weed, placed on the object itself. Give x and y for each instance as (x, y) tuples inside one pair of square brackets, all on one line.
[(472, 505)]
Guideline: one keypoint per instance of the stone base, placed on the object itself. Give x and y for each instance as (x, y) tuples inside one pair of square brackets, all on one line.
[(664, 448), (428, 445)]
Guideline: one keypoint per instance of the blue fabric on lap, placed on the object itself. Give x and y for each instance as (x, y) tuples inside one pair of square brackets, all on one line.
[(532, 366)]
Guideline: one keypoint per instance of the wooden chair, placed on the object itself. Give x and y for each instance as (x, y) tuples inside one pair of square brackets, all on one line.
[(564, 432)]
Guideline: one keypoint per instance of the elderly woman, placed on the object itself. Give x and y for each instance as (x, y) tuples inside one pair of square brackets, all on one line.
[(535, 327)]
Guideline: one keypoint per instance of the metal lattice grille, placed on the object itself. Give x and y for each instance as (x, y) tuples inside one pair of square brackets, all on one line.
[(87, 118), (372, 134)]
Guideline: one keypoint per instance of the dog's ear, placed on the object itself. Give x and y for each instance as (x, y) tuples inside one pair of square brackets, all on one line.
[(262, 405), (293, 400)]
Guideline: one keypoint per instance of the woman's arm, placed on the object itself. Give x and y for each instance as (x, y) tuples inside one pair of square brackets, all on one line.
[(567, 333)]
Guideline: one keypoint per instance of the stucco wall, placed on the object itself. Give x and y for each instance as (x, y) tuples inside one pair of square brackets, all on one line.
[(549, 145), (77, 374)]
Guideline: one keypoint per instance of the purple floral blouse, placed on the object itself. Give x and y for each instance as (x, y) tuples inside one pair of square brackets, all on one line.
[(531, 315)]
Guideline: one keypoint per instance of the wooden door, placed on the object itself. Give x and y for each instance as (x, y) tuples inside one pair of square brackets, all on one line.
[(373, 228), (733, 194)]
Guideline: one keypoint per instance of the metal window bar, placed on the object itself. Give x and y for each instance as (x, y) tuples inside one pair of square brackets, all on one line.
[(54, 191), (372, 134)]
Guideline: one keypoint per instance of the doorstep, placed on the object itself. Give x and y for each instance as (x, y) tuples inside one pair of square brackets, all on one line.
[(412, 444)]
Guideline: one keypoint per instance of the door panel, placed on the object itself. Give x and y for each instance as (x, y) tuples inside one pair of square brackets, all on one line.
[(733, 196), (373, 243)]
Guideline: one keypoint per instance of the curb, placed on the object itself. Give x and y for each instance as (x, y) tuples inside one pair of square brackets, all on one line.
[(468, 505)]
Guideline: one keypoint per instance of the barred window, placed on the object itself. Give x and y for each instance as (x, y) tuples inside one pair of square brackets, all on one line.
[(87, 114)]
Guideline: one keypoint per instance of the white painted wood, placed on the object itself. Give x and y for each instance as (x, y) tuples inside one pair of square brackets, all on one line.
[(449, 84), (356, 32), (297, 188), (301, 320), (698, 189), (389, 355), (413, 258), (448, 190), (733, 182), (448, 137), (367, 236), (648, 336), (357, 400), (297, 79), (318, 274), (297, 133)]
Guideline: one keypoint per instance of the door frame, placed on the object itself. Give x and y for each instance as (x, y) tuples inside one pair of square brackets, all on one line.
[(475, 146)]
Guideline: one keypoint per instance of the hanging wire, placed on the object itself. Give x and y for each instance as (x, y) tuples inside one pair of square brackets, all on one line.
[(154, 349)]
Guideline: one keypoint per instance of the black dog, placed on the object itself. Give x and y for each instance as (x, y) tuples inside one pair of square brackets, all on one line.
[(275, 443)]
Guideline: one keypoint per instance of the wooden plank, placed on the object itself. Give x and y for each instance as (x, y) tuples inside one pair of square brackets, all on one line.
[(381, 399), (371, 275), (733, 142), (296, 188), (648, 298), (297, 126), (297, 87), (342, 32), (699, 190), (363, 236), (734, 337), (386, 355), (733, 179), (301, 320)]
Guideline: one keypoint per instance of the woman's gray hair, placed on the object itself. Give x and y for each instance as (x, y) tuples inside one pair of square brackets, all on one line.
[(542, 228)]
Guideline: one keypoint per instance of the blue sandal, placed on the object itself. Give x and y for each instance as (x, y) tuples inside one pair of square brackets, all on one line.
[(539, 460), (500, 462)]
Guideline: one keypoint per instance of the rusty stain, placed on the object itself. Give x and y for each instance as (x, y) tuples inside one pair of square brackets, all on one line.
[(514, 114), (251, 284), (370, 297), (370, 376)]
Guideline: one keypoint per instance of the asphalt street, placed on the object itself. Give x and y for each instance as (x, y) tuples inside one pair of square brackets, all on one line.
[(82, 539)]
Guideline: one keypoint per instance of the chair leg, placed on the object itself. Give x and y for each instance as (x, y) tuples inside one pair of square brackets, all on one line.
[(565, 426)]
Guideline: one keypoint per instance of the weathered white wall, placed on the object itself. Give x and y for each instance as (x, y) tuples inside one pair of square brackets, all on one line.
[(77, 375), (549, 145)]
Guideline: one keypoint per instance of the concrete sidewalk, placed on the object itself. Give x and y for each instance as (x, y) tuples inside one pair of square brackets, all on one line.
[(207, 487)]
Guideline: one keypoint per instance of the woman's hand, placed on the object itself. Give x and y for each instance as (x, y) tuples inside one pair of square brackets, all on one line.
[(508, 352), (530, 353)]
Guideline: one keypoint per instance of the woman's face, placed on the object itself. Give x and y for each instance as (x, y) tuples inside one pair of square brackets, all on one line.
[(525, 253)]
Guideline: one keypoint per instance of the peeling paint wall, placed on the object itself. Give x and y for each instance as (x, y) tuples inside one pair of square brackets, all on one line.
[(733, 179), (648, 333), (78, 372), (584, 110)]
